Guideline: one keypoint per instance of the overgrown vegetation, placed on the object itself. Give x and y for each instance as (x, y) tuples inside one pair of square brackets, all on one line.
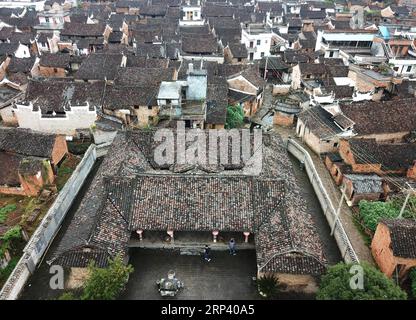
[(78, 148), (65, 170), (7, 239), (103, 283), (412, 276), (4, 211), (336, 284), (371, 212), (5, 273), (268, 286), (235, 117)]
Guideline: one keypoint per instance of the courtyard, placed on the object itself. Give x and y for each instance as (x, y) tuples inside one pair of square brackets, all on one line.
[(224, 277)]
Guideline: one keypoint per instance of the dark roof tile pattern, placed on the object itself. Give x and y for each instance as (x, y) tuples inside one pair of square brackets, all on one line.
[(382, 116), (403, 237), (286, 227), (73, 29), (99, 66), (24, 65), (55, 60), (27, 142), (199, 45), (58, 96)]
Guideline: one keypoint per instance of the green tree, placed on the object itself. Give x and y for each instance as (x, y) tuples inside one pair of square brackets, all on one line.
[(235, 117), (106, 283), (335, 285)]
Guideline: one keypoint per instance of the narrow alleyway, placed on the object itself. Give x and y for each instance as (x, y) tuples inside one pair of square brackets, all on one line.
[(362, 250), (357, 240)]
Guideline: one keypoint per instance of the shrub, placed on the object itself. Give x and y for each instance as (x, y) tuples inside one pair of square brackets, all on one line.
[(12, 234), (335, 285), (67, 296), (106, 283), (4, 211), (78, 148), (6, 272), (373, 212), (268, 286), (235, 117)]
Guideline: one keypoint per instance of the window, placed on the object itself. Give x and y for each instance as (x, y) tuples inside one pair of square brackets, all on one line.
[(239, 59), (251, 44), (55, 70), (331, 54), (409, 68), (262, 54), (258, 42)]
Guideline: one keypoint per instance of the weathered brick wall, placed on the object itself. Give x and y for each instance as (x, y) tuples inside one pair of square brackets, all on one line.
[(7, 116), (12, 190), (283, 119), (382, 253), (411, 172), (49, 72), (280, 89), (60, 149)]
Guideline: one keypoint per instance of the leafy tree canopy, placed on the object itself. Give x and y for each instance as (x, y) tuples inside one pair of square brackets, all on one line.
[(235, 117), (335, 285), (106, 283)]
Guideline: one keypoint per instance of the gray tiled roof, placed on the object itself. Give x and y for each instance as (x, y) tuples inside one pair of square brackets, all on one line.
[(403, 237), (155, 198)]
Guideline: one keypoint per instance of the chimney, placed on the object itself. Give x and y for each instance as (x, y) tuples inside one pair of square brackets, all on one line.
[(190, 68)]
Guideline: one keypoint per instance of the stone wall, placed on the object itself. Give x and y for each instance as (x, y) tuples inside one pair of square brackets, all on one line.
[(328, 208), (280, 89)]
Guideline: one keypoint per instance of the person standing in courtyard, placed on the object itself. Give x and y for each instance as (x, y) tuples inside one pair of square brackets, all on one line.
[(207, 253), (231, 245)]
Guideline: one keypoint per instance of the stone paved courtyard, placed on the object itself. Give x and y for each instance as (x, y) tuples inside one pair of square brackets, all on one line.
[(224, 277)]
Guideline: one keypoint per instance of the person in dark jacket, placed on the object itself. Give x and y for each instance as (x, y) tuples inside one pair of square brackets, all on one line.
[(207, 253), (231, 246)]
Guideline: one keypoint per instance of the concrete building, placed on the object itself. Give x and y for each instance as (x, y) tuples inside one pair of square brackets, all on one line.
[(259, 39), (191, 14)]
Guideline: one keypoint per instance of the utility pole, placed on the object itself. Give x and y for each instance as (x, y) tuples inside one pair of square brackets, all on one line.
[(405, 202), (265, 67), (336, 218)]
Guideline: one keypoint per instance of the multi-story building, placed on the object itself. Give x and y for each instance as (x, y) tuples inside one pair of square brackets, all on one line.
[(259, 39)]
